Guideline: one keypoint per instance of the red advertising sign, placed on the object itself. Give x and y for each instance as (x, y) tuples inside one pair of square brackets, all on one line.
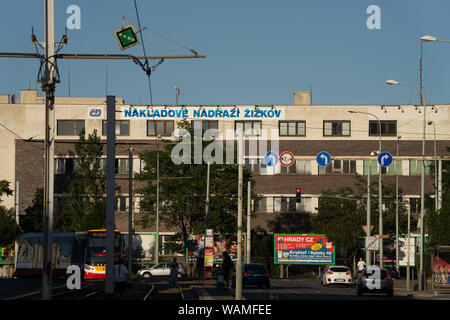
[(303, 249)]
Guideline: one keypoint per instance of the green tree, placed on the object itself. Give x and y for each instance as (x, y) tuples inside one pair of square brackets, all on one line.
[(183, 193), (342, 214), (8, 226), (438, 222), (86, 205), (5, 189), (32, 220)]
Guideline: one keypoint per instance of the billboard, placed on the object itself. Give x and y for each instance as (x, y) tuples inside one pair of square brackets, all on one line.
[(441, 268), (143, 247), (303, 249), (221, 243), (389, 254)]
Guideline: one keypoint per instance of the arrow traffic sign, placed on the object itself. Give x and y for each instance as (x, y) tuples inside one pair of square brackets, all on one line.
[(323, 159), (385, 159), (271, 158)]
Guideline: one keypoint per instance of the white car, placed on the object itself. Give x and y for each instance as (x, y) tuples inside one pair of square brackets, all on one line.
[(161, 269), (337, 275)]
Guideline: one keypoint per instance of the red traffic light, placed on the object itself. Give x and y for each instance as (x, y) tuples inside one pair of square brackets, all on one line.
[(298, 195)]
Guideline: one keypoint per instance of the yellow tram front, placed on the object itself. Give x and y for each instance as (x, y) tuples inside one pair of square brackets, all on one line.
[(95, 262)]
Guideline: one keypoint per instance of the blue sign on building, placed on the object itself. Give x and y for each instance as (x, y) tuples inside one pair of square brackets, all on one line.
[(323, 159), (385, 159)]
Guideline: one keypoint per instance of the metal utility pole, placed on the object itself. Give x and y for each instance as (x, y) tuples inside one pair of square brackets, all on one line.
[(16, 243), (239, 222), (207, 198), (368, 256), (249, 229), (48, 86), (157, 203), (110, 192), (130, 211), (397, 263), (408, 275)]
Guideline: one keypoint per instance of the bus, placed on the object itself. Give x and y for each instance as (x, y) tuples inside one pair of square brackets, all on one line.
[(95, 261)]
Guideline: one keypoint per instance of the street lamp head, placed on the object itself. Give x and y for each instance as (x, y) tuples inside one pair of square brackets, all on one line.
[(392, 82), (352, 111), (399, 137), (428, 39), (430, 123)]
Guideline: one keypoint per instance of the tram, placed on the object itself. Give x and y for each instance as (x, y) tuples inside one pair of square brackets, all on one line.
[(95, 262), (87, 250)]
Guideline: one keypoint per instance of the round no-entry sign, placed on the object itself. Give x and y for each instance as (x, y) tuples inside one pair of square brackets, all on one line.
[(286, 159)]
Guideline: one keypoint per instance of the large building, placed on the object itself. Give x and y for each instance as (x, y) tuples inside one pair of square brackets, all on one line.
[(302, 129)]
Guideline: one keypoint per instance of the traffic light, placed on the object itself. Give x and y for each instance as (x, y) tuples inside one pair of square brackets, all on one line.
[(126, 37), (298, 195)]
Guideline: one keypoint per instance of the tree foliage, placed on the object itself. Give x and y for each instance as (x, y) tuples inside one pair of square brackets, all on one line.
[(183, 193), (438, 222), (342, 214), (85, 208), (8, 226)]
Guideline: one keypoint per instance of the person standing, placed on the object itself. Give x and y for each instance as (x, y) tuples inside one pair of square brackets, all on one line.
[(173, 277), (121, 276), (200, 267), (360, 266), (226, 267)]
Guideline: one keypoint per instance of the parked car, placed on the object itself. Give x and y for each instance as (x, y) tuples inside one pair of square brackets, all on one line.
[(254, 274), (337, 275), (374, 279), (161, 269)]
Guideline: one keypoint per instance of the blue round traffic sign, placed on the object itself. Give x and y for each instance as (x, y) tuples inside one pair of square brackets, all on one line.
[(323, 159), (385, 159), (271, 158)]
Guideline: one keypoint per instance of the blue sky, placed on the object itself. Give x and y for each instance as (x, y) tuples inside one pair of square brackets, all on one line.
[(258, 51)]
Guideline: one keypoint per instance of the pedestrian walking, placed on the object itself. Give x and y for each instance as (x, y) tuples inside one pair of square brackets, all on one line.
[(121, 276), (226, 268), (200, 267), (173, 277), (360, 266)]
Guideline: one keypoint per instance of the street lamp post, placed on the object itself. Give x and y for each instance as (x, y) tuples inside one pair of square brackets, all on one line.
[(422, 188), (435, 168), (380, 198)]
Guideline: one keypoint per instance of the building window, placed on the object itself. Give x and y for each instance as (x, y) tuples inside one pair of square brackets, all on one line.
[(414, 205), (395, 167), (388, 128), (121, 166), (289, 204), (339, 167), (65, 165), (123, 204), (288, 170), (122, 127), (415, 167), (205, 124), (292, 128), (261, 205), (249, 128), (303, 166), (373, 167), (159, 128), (69, 127), (336, 128)]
